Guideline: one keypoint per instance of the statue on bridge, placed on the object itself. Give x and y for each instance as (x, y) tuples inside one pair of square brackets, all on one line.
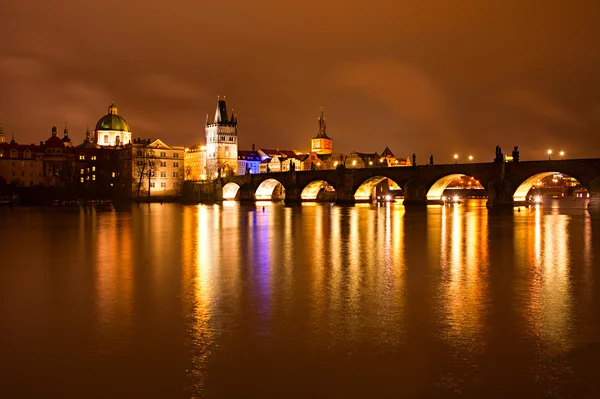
[(268, 169), (431, 159), (515, 154), (414, 159), (292, 166), (499, 155)]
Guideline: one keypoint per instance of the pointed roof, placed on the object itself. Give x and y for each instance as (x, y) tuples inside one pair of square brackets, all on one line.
[(387, 153), (321, 127), (221, 111)]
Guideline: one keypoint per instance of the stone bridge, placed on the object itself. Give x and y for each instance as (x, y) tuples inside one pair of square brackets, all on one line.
[(507, 183)]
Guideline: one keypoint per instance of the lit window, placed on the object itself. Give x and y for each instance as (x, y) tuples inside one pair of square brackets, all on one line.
[(114, 174), (106, 139), (81, 157), (81, 179), (93, 168), (81, 171), (93, 177), (93, 157)]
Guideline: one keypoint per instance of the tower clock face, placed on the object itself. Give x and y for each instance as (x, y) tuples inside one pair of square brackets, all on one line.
[(317, 144)]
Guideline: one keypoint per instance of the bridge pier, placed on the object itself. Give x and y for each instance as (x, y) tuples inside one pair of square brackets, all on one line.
[(415, 196), (246, 193), (593, 206), (293, 194), (500, 195)]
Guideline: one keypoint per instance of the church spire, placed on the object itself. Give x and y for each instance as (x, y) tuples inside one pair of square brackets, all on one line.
[(54, 131), (12, 140), (322, 127)]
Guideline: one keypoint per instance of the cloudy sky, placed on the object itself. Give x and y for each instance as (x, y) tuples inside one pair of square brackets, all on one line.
[(437, 76)]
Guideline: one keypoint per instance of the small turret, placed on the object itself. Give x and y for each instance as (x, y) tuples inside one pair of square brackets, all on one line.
[(12, 140), (112, 109), (66, 138), (54, 131)]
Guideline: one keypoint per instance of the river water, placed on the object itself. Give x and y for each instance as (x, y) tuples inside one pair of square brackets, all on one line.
[(270, 301)]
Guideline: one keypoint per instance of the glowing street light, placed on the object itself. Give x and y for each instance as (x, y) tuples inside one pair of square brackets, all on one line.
[(455, 158), (562, 155), (549, 154), (470, 158)]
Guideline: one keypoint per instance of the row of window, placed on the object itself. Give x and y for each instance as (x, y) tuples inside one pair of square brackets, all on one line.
[(82, 157), (82, 179), (15, 154), (162, 184), (14, 174)]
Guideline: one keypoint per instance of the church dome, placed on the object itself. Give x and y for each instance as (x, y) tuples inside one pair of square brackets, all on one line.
[(112, 121)]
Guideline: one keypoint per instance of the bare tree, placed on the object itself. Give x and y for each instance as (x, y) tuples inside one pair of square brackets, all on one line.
[(146, 164)]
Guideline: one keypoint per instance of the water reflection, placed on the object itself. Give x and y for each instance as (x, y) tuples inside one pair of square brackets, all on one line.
[(315, 300), (114, 281)]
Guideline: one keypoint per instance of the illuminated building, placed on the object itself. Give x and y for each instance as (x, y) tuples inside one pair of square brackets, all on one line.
[(221, 143), (279, 160), (195, 163), (112, 130), (248, 160), (387, 158), (20, 164), (321, 143), (155, 168)]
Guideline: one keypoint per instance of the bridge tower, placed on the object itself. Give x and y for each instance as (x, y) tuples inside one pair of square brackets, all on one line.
[(221, 142)]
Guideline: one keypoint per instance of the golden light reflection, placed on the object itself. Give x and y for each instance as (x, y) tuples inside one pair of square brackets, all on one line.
[(114, 281), (464, 280), (198, 295), (550, 311)]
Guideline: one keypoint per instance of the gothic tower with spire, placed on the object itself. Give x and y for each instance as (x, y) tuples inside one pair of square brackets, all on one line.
[(221, 142), (321, 143)]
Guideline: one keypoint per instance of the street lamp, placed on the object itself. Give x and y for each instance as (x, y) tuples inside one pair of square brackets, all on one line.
[(562, 155), (470, 158), (549, 154), (455, 158)]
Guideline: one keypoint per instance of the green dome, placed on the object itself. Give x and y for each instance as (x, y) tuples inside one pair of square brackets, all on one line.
[(112, 122)]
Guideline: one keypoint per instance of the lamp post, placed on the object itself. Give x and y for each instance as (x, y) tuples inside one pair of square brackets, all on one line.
[(562, 155), (549, 155), (470, 158), (455, 158)]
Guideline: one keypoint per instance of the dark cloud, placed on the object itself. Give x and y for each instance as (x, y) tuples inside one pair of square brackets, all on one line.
[(427, 77)]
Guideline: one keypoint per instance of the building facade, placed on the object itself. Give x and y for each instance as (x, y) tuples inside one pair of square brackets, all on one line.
[(195, 163), (221, 143), (152, 168), (248, 161)]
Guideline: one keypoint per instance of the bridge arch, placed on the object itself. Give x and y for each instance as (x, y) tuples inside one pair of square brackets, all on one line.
[(311, 190), (520, 194), (270, 189), (365, 191), (230, 191), (436, 191)]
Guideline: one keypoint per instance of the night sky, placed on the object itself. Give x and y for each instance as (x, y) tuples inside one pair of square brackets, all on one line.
[(450, 76)]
